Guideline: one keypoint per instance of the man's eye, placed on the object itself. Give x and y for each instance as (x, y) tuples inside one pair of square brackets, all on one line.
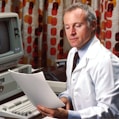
[(78, 25), (66, 27)]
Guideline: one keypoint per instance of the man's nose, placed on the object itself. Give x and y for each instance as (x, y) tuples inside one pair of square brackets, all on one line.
[(73, 31)]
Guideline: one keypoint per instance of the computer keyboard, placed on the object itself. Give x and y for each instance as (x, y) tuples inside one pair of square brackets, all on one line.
[(20, 108)]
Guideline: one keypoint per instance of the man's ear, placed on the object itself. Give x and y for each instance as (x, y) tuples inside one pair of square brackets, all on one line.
[(94, 25)]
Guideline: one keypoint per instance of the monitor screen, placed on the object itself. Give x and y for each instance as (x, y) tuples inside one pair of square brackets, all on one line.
[(4, 37)]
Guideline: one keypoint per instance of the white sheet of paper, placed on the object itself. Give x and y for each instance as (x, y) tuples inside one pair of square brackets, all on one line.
[(37, 89), (49, 118)]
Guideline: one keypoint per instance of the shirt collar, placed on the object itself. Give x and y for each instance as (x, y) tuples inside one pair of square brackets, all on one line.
[(83, 50)]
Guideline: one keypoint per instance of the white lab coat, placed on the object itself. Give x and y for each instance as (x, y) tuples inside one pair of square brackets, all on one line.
[(94, 84)]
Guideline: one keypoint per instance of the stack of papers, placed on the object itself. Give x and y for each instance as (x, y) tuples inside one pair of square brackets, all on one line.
[(37, 89)]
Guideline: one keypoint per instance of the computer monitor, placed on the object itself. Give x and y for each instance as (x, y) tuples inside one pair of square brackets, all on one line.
[(11, 49)]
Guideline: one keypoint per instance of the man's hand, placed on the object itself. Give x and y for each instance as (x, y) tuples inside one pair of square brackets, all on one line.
[(68, 105), (59, 113)]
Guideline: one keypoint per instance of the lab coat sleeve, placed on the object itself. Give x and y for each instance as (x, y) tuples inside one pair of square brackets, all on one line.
[(67, 92), (64, 94)]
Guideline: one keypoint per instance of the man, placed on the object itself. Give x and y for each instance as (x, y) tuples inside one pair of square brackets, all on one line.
[(93, 86)]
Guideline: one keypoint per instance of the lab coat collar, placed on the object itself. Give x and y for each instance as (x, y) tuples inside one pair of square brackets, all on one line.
[(93, 49), (91, 53)]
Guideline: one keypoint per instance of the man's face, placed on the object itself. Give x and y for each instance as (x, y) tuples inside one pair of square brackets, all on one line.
[(77, 29)]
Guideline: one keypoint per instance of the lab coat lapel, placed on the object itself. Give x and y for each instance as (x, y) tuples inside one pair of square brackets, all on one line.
[(91, 53), (81, 64)]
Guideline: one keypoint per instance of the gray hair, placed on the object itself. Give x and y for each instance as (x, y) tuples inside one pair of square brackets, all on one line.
[(90, 14)]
